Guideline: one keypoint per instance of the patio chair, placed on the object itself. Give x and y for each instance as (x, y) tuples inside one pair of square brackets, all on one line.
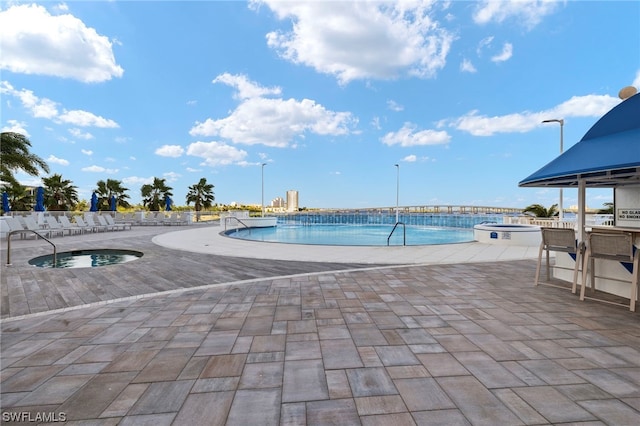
[(559, 240), (82, 225), (14, 225), (31, 225), (122, 225), (72, 228), (95, 226), (617, 247), (55, 226), (103, 222)]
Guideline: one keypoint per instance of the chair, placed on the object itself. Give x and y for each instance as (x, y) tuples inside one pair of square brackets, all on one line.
[(559, 240), (31, 225), (73, 229), (14, 225), (111, 222), (95, 226), (619, 248), (82, 225), (55, 226), (103, 222)]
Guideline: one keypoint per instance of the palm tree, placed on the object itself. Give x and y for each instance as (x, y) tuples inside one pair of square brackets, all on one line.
[(606, 209), (201, 194), (108, 189), (541, 211), (153, 195), (14, 150), (20, 198), (59, 194)]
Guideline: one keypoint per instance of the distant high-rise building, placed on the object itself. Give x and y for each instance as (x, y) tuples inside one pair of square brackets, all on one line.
[(278, 202), (292, 200)]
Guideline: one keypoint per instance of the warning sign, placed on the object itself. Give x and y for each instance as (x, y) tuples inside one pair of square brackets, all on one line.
[(628, 214)]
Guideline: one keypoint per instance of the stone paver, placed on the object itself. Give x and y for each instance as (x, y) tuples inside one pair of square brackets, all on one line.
[(455, 344)]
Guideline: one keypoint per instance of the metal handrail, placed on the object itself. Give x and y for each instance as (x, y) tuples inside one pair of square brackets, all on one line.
[(19, 231), (404, 233), (238, 220)]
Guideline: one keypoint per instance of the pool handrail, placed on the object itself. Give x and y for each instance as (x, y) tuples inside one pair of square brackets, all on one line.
[(404, 233), (238, 220), (55, 253)]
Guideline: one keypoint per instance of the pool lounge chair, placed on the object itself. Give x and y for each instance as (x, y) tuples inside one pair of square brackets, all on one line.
[(111, 222), (72, 228), (14, 225), (31, 225), (95, 226), (82, 225), (103, 222), (55, 226)]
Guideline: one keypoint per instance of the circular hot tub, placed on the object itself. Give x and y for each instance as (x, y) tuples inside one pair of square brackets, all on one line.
[(507, 234), (86, 258)]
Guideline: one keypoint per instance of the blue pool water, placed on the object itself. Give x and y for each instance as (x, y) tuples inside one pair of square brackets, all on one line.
[(86, 258), (354, 235)]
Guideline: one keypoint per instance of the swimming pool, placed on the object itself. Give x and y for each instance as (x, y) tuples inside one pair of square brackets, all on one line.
[(354, 235)]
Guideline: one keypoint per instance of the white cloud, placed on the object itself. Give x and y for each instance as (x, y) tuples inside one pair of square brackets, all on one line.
[(56, 160), (361, 40), (171, 176), (36, 42), (505, 55), (99, 169), (527, 13), (577, 106), (467, 66), (407, 136), (410, 158), (170, 151), (137, 180), (86, 119), (86, 152), (81, 135), (275, 122), (216, 153), (16, 126), (394, 106), (245, 88), (192, 170)]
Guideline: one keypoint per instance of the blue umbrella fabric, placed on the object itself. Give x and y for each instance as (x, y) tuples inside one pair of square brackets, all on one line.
[(113, 204), (39, 199), (168, 202), (5, 203), (94, 203)]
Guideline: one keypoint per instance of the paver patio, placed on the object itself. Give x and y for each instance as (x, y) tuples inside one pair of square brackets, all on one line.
[(472, 343)]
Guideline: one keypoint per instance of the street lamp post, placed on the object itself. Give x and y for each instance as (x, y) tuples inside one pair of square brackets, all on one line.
[(397, 192), (561, 122), (262, 199)]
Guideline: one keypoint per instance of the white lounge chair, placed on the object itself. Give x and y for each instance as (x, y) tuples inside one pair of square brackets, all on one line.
[(15, 226), (95, 226), (33, 226), (82, 225), (122, 225), (72, 228), (55, 227)]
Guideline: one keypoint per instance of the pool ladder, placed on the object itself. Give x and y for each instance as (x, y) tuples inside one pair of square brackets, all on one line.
[(404, 233), (226, 220), (20, 231)]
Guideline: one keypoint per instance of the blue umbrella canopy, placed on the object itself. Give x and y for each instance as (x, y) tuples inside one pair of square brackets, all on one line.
[(94, 203), (5, 202), (113, 203), (39, 199), (608, 155), (168, 202)]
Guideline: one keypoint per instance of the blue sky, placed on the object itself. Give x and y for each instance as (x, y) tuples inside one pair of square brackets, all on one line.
[(330, 95)]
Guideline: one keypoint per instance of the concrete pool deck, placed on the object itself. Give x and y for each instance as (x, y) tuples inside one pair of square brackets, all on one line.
[(253, 340)]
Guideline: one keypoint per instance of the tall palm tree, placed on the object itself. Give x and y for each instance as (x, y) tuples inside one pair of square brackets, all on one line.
[(153, 194), (541, 211), (20, 198), (201, 194), (108, 189), (15, 154), (59, 194)]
